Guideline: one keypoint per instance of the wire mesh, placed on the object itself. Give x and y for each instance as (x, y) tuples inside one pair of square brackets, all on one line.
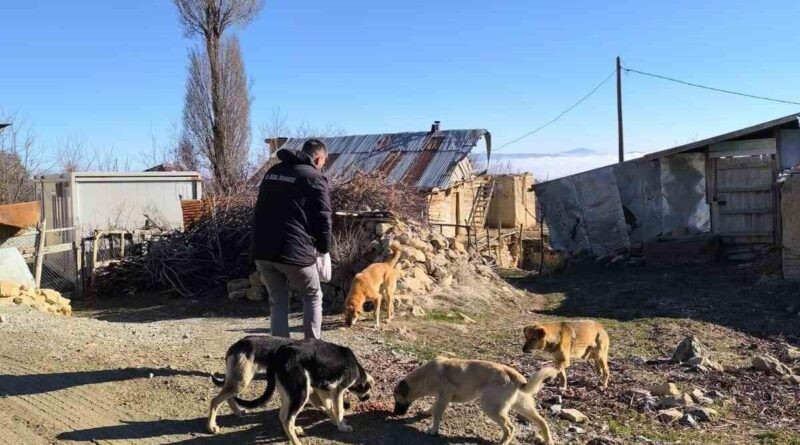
[(59, 269)]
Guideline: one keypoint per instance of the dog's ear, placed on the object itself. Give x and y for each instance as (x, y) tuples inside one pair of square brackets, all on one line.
[(534, 331), (403, 389)]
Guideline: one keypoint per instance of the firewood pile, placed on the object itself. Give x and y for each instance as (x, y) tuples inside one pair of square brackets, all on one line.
[(208, 253)]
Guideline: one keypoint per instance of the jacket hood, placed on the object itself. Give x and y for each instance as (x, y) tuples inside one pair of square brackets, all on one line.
[(293, 156)]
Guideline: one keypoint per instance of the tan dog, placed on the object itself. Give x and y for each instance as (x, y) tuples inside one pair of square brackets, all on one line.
[(376, 283), (499, 389), (571, 339)]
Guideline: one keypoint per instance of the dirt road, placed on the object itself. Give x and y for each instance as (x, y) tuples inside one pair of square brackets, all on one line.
[(138, 373), (86, 380)]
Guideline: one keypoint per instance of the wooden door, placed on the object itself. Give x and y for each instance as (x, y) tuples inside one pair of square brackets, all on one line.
[(743, 203)]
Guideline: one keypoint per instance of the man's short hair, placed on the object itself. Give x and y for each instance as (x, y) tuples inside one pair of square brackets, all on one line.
[(313, 147)]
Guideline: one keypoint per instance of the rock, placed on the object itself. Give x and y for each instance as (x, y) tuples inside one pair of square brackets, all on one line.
[(573, 415), (791, 352), (9, 289), (3, 318), (665, 389), (417, 311), (688, 420), (18, 300), (382, 228), (690, 347), (703, 364), (238, 284), (669, 415), (412, 254), (50, 296), (770, 365), (237, 294), (575, 429), (674, 401), (438, 242), (699, 397), (422, 276), (456, 245), (255, 279), (255, 293), (714, 394), (452, 255), (703, 414), (420, 245), (439, 272), (638, 360), (411, 284), (555, 409), (791, 378)]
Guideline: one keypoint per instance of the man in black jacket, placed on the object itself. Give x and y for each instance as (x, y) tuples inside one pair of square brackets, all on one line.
[(291, 228)]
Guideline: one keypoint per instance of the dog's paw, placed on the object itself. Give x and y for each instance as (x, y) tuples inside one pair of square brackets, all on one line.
[(432, 431), (299, 431), (345, 428), (213, 429), (241, 412)]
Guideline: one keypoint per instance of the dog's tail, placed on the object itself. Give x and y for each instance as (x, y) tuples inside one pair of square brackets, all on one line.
[(535, 384), (264, 398), (396, 249), (219, 381)]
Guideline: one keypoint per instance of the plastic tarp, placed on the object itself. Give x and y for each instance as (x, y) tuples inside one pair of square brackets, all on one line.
[(13, 267), (584, 213), (683, 187), (605, 210)]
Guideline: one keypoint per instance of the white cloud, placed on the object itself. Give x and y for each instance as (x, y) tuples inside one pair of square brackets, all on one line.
[(546, 167)]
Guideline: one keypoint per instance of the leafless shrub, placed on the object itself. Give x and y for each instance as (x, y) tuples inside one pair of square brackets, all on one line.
[(370, 191), (207, 254), (20, 159)]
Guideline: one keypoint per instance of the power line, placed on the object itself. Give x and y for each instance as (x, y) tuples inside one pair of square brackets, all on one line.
[(541, 127), (720, 90)]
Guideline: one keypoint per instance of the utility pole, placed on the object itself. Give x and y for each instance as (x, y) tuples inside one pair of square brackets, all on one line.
[(619, 112)]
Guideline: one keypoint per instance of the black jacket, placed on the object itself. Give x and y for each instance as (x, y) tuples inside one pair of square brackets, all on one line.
[(293, 212)]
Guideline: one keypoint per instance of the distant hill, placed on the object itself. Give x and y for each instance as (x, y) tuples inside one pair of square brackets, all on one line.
[(573, 152)]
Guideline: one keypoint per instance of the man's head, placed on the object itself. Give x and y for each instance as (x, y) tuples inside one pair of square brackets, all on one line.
[(316, 150)]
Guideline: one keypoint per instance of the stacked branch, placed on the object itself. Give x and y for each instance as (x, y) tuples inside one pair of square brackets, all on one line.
[(216, 248)]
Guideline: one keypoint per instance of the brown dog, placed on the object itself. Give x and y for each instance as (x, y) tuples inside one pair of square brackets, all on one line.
[(375, 283), (571, 339)]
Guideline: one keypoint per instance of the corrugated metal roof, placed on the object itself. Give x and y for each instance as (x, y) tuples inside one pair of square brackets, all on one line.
[(368, 152)]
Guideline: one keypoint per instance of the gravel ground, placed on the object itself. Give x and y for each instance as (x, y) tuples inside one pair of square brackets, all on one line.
[(137, 372)]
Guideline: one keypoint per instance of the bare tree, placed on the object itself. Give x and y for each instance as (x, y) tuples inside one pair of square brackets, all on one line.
[(228, 166), (75, 154), (20, 159), (210, 19)]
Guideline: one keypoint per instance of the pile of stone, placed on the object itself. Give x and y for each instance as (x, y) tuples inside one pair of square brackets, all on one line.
[(45, 300), (428, 261), (673, 405), (247, 288)]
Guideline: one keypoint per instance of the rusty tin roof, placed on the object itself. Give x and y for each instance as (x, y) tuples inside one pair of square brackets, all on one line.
[(424, 159)]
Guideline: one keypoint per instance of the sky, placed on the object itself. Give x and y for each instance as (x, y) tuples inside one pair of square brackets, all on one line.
[(112, 73)]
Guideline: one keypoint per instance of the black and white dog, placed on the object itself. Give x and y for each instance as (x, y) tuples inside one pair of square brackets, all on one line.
[(303, 370), (242, 361)]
